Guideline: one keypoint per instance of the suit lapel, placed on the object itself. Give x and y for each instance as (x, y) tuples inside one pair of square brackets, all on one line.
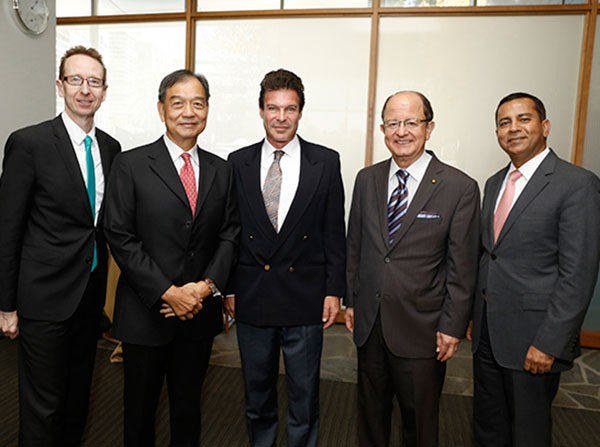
[(535, 185), (487, 210), (207, 175), (250, 179), (431, 181), (381, 192), (162, 165), (104, 155), (67, 153)]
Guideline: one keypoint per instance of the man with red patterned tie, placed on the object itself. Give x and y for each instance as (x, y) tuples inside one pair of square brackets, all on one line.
[(540, 243), (172, 224)]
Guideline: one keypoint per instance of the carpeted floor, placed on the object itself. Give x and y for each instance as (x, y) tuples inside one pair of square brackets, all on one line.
[(223, 411)]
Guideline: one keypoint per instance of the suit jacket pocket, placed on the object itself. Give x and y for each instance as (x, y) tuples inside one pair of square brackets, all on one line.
[(535, 301), (43, 255), (429, 303)]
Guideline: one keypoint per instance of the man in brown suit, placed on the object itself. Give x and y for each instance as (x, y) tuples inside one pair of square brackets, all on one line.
[(411, 269)]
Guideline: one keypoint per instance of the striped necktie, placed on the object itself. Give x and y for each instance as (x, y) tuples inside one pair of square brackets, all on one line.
[(398, 204)]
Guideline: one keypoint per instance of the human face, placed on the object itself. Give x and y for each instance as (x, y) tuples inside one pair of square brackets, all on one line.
[(406, 145), (281, 115), (184, 112), (520, 131), (82, 102)]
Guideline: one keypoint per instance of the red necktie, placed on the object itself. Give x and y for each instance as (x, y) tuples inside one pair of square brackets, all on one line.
[(188, 178), (505, 203)]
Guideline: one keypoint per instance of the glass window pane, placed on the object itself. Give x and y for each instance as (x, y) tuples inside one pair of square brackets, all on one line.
[(109, 7), (73, 8), (137, 57), (306, 4), (425, 3), (237, 5), (334, 67), (469, 67)]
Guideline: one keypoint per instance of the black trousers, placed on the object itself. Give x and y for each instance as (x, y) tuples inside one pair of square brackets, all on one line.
[(511, 408), (259, 350), (56, 363), (184, 363), (416, 383)]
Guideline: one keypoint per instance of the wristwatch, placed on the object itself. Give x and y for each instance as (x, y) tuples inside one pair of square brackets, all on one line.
[(211, 285)]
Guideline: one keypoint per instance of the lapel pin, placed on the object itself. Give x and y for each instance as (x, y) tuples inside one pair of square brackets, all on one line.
[(432, 180)]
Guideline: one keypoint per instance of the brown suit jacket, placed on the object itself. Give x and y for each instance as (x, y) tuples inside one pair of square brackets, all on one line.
[(424, 281)]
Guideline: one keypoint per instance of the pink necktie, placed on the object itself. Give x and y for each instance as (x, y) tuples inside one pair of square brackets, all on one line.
[(189, 181), (505, 203)]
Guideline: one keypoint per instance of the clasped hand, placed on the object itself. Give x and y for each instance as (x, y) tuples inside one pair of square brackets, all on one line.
[(184, 302)]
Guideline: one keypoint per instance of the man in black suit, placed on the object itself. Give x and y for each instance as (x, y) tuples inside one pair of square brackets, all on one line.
[(540, 240), (172, 225), (412, 265), (53, 257), (290, 274)]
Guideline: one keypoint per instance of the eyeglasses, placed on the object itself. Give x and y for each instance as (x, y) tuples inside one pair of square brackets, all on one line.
[(77, 81), (410, 124)]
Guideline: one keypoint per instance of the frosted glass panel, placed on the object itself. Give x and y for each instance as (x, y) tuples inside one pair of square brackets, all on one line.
[(69, 8), (465, 65), (237, 5), (332, 59), (305, 4), (137, 57)]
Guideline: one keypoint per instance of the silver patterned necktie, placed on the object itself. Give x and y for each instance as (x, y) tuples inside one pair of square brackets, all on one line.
[(272, 188)]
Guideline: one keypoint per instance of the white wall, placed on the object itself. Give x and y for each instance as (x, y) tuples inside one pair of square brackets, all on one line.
[(27, 74)]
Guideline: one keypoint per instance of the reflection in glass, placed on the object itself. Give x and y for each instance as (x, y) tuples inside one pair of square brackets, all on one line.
[(137, 57)]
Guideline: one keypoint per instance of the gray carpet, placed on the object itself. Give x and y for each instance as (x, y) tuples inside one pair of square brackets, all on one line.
[(223, 411)]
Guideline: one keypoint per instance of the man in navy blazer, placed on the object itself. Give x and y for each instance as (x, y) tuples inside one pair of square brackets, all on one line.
[(53, 257), (290, 274), (172, 224), (540, 239)]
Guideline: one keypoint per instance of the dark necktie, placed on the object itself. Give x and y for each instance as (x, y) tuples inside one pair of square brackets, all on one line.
[(398, 204)]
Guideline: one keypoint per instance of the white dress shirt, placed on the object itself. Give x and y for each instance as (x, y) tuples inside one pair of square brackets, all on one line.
[(290, 174), (527, 170), (416, 171), (176, 155), (77, 135)]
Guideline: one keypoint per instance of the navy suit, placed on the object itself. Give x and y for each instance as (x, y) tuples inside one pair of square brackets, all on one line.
[(47, 237), (281, 281)]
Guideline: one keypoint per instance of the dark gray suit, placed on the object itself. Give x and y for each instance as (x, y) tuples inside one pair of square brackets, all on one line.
[(423, 283), (534, 288)]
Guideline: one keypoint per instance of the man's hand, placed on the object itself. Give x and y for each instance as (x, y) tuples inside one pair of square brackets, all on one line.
[(9, 324), (185, 302), (470, 331), (537, 362), (229, 305), (349, 318), (331, 308), (447, 345)]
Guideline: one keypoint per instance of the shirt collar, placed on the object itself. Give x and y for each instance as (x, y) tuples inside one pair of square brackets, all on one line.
[(528, 168), (175, 151), (416, 170), (76, 133), (291, 149)]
